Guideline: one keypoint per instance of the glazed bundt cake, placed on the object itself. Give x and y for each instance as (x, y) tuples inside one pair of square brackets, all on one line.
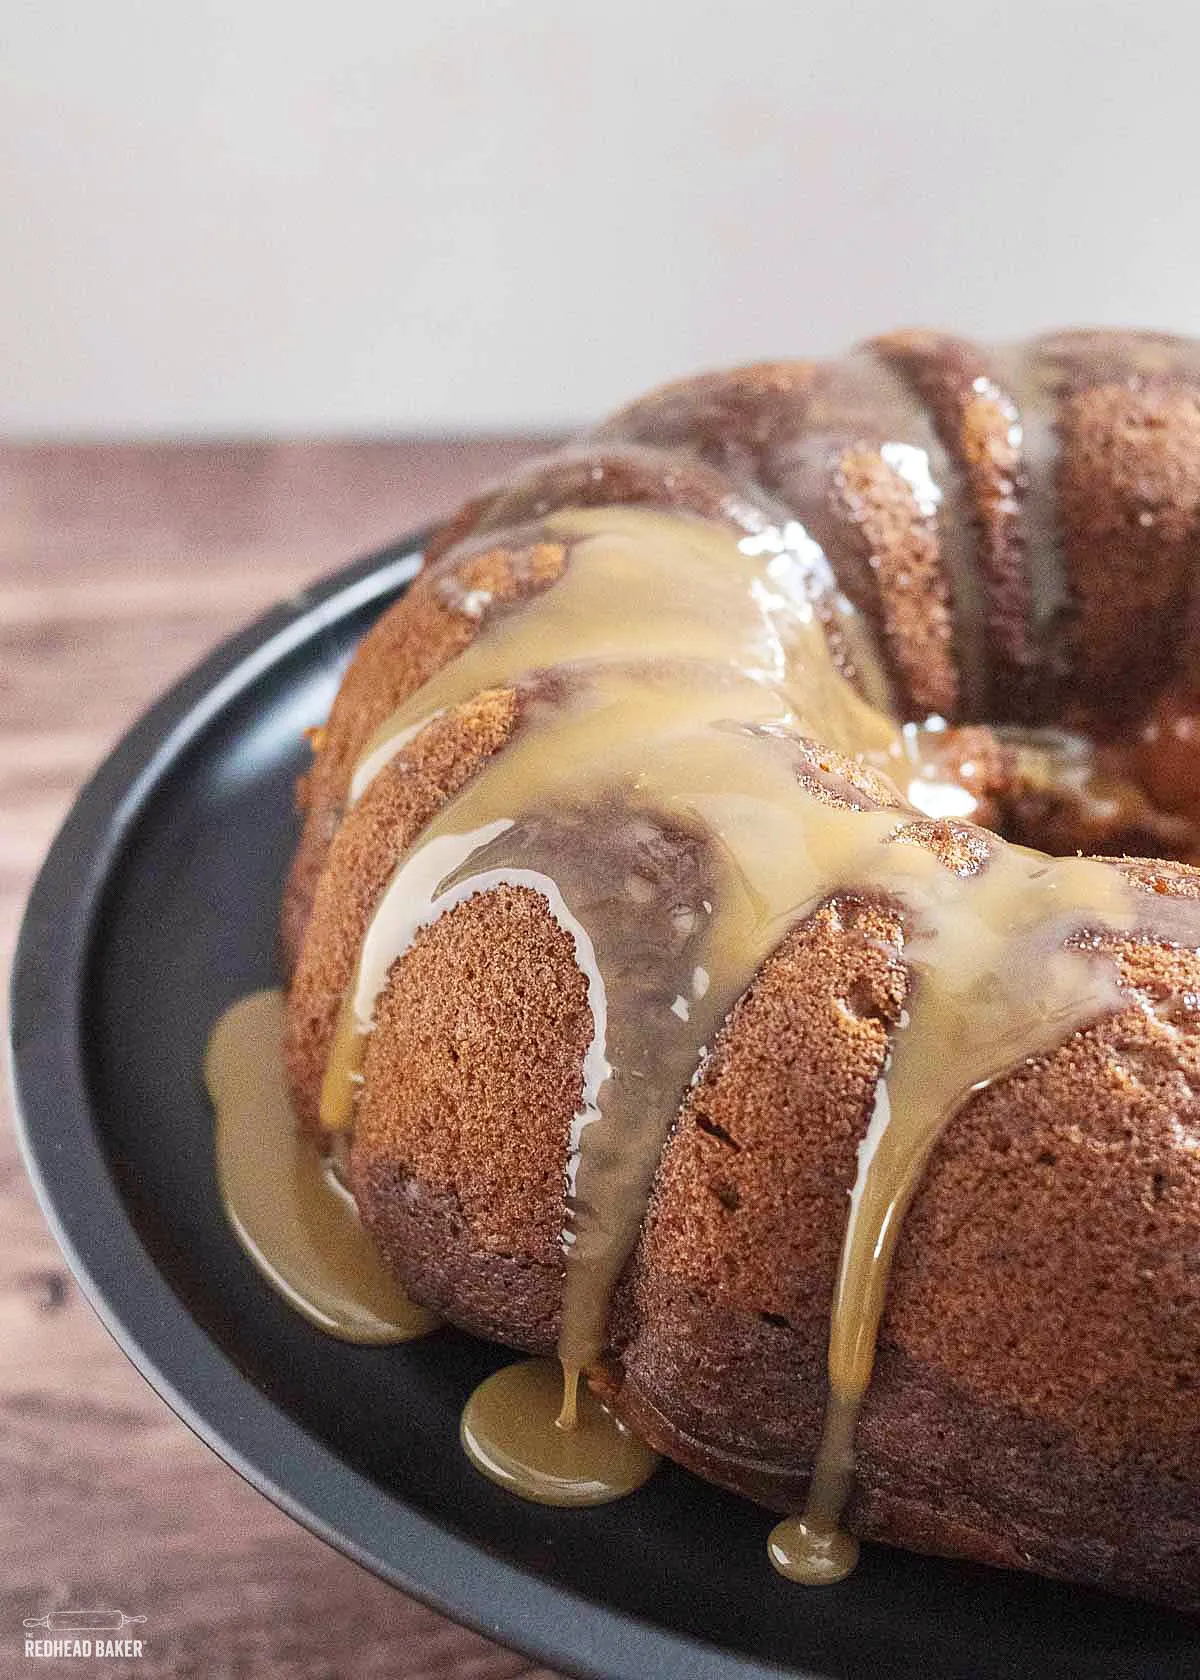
[(676, 973)]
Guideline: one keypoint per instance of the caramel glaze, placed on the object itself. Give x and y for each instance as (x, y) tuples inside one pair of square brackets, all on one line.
[(284, 1199), (553, 1445), (679, 676)]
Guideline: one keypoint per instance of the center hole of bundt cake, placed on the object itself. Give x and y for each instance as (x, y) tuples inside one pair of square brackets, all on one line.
[(1133, 793)]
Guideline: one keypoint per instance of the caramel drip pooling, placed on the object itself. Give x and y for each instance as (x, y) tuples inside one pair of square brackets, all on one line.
[(551, 1442), (687, 716), (288, 1210)]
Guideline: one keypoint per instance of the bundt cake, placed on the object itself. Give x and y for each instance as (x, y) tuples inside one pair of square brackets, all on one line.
[(680, 969)]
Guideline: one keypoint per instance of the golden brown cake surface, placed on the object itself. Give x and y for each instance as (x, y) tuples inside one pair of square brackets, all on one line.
[(998, 538)]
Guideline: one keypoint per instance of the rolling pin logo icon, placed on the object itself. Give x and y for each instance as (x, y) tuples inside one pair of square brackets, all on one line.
[(83, 1621)]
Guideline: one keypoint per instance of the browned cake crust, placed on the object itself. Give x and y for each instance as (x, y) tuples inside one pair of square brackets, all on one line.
[(1043, 1324), (614, 475), (1130, 491), (974, 414), (360, 860), (1036, 1394)]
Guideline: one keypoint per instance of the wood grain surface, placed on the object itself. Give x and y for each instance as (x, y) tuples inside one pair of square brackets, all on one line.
[(120, 567)]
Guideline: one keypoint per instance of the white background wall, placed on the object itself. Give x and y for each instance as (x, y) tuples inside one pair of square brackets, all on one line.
[(247, 215)]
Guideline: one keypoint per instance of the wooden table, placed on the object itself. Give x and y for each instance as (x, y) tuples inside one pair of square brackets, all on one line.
[(119, 568)]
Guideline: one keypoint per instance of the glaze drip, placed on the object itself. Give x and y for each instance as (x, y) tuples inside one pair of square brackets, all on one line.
[(517, 1430), (286, 1203)]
